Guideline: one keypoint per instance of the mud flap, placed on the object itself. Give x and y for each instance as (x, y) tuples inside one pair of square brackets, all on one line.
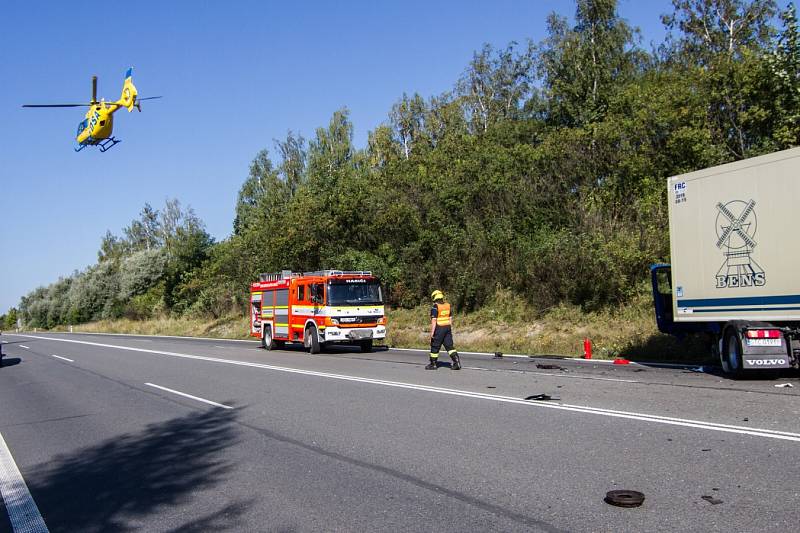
[(763, 362), (756, 356)]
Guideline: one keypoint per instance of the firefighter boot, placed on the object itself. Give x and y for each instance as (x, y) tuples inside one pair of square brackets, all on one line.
[(432, 364), (456, 361)]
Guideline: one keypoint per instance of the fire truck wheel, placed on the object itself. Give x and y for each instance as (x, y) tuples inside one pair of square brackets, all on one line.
[(311, 340), (267, 341), (366, 346)]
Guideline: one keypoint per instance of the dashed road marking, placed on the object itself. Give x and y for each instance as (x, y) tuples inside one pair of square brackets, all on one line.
[(63, 358), (179, 393)]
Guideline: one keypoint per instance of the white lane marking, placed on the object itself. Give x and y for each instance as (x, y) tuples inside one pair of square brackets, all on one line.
[(64, 358), (580, 360), (712, 426), (179, 393), (513, 355), (519, 356), (22, 510), (23, 346), (161, 336)]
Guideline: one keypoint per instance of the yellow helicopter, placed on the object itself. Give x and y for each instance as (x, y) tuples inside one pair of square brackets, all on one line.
[(96, 128)]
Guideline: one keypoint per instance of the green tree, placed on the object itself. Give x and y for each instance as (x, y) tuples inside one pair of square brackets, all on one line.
[(495, 85), (582, 66), (722, 48), (784, 67), (11, 318)]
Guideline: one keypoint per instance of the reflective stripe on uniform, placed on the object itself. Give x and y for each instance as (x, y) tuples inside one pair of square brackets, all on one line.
[(443, 317)]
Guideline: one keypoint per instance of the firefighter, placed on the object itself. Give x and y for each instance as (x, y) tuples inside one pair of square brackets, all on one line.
[(441, 332)]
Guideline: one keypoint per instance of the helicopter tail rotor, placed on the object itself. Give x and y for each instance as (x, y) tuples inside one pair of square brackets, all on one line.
[(129, 93)]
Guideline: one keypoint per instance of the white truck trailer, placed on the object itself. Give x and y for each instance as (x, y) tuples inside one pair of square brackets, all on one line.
[(734, 271)]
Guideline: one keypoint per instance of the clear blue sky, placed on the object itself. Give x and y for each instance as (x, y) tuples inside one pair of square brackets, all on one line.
[(234, 75)]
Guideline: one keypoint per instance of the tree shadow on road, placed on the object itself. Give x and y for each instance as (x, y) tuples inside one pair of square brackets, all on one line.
[(114, 486)]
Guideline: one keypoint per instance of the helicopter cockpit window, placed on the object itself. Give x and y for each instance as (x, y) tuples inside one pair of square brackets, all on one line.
[(82, 126)]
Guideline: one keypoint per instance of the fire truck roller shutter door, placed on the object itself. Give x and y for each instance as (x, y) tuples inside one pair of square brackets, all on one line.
[(268, 305), (282, 313), (255, 312)]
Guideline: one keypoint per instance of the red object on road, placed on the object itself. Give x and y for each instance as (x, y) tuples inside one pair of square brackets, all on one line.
[(587, 348), (621, 361)]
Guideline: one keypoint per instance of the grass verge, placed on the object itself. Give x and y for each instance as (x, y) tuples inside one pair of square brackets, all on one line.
[(230, 327)]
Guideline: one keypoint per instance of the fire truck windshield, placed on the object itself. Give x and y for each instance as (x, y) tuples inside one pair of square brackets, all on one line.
[(354, 292)]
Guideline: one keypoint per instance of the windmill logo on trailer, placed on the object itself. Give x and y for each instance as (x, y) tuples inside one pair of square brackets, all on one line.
[(736, 227)]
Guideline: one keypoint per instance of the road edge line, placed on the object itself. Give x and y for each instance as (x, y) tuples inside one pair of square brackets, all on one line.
[(22, 510)]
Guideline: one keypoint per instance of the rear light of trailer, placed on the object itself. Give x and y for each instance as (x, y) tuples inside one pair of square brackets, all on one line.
[(763, 334)]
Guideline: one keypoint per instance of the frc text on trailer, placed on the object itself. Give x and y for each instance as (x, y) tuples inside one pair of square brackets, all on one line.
[(317, 308)]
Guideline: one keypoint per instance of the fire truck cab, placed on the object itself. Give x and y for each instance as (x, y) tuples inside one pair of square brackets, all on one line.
[(317, 308)]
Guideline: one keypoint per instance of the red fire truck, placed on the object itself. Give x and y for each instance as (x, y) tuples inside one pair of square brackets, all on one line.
[(317, 308)]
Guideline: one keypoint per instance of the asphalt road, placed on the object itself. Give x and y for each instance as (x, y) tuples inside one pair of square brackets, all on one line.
[(116, 433)]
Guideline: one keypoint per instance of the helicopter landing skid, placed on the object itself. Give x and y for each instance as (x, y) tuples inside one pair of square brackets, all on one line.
[(106, 144), (103, 144)]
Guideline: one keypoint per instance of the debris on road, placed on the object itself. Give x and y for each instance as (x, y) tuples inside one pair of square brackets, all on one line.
[(542, 398), (498, 355), (706, 450), (624, 498), (782, 385), (490, 387), (621, 361), (548, 366), (712, 500)]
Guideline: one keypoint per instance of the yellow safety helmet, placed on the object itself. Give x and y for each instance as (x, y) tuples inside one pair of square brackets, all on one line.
[(437, 295)]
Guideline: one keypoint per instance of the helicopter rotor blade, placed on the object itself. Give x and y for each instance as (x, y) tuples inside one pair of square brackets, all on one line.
[(148, 98), (57, 105), (94, 89)]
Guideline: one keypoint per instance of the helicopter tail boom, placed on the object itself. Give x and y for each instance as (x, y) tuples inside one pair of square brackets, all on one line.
[(129, 93)]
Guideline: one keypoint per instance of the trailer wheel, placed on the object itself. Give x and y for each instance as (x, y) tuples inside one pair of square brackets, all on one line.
[(733, 351), (366, 346), (311, 340), (267, 342)]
